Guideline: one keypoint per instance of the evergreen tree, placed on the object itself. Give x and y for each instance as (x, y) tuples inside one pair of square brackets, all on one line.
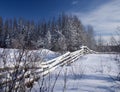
[(64, 33), (1, 30)]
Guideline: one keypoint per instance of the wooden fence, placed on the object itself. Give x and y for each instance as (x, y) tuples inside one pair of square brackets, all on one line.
[(30, 74)]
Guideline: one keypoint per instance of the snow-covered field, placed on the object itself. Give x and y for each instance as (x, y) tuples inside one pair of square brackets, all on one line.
[(11, 55), (91, 73)]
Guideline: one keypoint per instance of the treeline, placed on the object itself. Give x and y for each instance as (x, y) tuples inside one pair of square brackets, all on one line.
[(114, 48), (66, 32)]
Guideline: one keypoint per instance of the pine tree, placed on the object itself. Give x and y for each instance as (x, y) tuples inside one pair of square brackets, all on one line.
[(1, 30)]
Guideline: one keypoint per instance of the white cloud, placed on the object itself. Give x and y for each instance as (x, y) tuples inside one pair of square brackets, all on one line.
[(105, 19), (74, 2)]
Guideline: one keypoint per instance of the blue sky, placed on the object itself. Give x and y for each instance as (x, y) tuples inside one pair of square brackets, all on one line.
[(36, 9), (103, 15), (105, 18)]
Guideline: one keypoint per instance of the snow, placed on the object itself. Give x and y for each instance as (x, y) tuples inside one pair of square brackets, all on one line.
[(10, 55), (48, 54), (91, 73)]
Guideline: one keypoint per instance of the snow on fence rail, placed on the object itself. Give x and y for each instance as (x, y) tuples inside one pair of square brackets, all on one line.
[(42, 69)]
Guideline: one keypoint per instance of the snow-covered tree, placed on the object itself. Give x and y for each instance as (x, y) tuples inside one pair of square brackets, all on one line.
[(63, 33)]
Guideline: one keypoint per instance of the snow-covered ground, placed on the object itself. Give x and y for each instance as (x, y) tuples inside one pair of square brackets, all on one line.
[(91, 73), (11, 55)]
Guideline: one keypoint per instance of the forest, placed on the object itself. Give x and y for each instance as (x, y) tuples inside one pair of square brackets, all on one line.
[(62, 33)]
